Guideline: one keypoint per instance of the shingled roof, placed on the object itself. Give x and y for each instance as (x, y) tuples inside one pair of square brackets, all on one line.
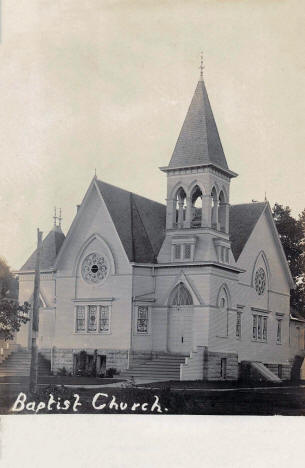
[(199, 142), (243, 219), (50, 248), (140, 222)]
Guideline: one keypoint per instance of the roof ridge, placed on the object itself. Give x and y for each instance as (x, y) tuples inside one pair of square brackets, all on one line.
[(129, 191), (249, 203)]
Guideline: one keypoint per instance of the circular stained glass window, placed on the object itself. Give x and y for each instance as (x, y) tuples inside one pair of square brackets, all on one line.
[(94, 268), (260, 281)]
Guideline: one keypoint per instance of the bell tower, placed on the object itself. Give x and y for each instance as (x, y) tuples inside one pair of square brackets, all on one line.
[(198, 189)]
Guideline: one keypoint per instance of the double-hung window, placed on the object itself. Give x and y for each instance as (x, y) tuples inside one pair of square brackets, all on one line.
[(259, 328), (279, 332), (238, 324), (142, 320), (80, 318)]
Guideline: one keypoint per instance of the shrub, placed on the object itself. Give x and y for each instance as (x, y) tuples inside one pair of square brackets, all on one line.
[(111, 372), (62, 371)]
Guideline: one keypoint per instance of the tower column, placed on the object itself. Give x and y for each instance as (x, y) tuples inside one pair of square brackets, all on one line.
[(226, 212), (206, 211), (223, 217), (170, 214), (180, 214), (215, 223), (188, 214)]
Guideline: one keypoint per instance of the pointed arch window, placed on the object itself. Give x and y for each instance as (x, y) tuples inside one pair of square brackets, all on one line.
[(196, 208), (222, 212), (181, 296), (180, 208), (214, 211)]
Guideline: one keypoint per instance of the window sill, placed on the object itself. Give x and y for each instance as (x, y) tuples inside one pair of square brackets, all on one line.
[(91, 333), (259, 341)]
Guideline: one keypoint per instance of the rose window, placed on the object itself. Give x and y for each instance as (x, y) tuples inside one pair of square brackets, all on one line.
[(260, 281), (94, 268)]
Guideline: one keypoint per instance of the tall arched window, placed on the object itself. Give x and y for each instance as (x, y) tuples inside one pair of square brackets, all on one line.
[(180, 207), (180, 296), (222, 212), (214, 212), (196, 213)]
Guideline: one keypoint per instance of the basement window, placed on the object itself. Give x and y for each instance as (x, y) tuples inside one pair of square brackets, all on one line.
[(223, 368)]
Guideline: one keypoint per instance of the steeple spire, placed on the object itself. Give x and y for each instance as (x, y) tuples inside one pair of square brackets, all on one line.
[(199, 143)]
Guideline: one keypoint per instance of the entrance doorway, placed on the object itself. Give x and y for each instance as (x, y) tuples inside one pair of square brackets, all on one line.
[(180, 324)]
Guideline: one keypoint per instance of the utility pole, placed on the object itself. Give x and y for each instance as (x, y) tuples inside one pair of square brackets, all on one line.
[(35, 318)]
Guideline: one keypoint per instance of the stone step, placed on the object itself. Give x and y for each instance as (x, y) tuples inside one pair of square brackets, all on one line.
[(19, 363), (151, 371), (155, 369), (160, 369), (170, 358)]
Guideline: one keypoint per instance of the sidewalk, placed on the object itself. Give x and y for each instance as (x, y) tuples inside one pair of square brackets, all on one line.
[(59, 380)]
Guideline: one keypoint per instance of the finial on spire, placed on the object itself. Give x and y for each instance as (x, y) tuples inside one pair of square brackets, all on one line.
[(57, 218), (201, 66), (95, 173), (266, 197)]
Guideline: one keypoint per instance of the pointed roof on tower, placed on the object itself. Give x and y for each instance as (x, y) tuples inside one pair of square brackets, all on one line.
[(50, 248), (199, 142)]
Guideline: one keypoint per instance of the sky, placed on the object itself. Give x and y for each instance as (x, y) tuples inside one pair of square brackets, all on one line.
[(105, 85)]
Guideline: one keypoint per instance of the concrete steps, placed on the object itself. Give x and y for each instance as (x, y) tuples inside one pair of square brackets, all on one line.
[(264, 372), (19, 363), (164, 367)]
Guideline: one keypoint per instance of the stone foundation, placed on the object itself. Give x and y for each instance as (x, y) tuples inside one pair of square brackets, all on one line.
[(283, 372), (64, 357), (212, 366)]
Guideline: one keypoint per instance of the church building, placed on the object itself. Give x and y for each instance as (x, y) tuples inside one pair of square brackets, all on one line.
[(194, 289)]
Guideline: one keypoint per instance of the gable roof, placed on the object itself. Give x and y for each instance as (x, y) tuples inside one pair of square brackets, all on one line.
[(243, 219), (50, 248), (140, 222), (199, 142)]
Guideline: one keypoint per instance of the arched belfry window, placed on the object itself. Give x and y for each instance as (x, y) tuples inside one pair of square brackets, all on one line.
[(196, 213), (222, 212), (180, 207), (181, 296), (214, 212)]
